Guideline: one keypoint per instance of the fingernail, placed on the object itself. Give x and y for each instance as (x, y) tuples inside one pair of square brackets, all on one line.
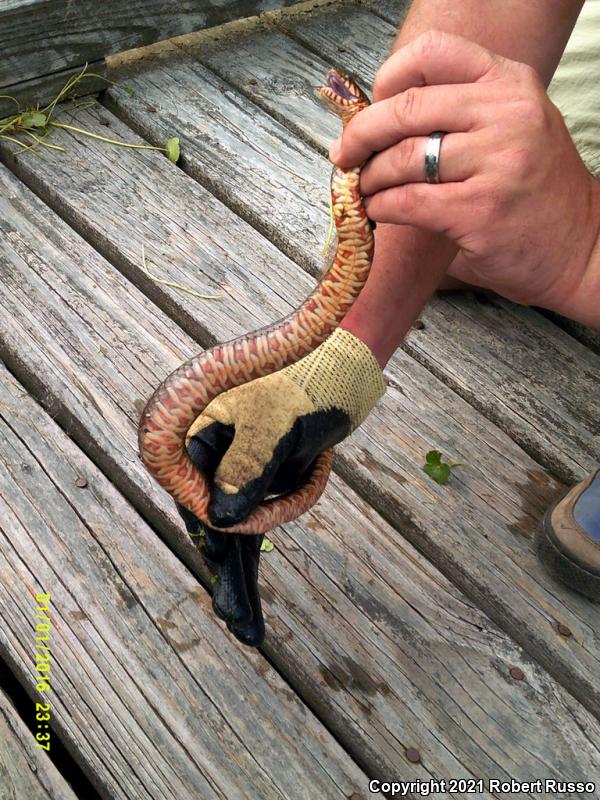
[(335, 149)]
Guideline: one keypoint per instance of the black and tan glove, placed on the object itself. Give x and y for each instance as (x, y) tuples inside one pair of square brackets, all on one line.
[(261, 438)]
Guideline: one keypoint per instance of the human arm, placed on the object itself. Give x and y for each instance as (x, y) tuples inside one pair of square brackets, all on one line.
[(410, 262)]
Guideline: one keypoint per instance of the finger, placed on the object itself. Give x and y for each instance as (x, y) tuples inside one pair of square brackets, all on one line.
[(205, 450), (405, 162), (438, 208), (215, 546), (233, 495), (207, 446), (251, 632), (416, 112), (230, 598), (316, 432), (434, 58)]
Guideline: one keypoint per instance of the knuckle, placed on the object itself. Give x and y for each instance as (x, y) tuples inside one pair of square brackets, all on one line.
[(405, 153), (529, 76), (520, 161), (408, 200), (379, 86), (430, 43), (490, 204), (530, 111), (405, 105)]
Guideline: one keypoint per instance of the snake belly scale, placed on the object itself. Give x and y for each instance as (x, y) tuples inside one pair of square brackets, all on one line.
[(181, 398)]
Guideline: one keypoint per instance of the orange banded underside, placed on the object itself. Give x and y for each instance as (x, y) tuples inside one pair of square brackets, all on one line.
[(182, 397)]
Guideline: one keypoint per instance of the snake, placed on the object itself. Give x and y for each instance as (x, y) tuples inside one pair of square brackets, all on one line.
[(186, 392)]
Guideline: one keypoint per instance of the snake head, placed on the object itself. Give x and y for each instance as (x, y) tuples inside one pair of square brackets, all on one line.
[(342, 94)]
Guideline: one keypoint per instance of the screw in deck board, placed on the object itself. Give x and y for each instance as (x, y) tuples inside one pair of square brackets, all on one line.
[(81, 483), (517, 674), (563, 630), (412, 755)]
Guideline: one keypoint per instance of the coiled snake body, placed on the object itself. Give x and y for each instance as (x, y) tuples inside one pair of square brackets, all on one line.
[(181, 398)]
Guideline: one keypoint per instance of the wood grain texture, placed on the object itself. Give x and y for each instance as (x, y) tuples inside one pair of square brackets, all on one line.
[(393, 11), (368, 631), (588, 336), (26, 771), (38, 91), (245, 158), (40, 37), (150, 695)]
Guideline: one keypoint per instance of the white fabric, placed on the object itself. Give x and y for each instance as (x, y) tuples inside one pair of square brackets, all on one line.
[(575, 88)]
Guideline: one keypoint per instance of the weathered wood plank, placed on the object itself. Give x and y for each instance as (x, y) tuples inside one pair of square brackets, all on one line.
[(474, 348), (42, 37), (37, 91), (339, 34), (589, 336), (282, 75), (244, 157), (184, 712), (26, 771), (393, 11), (332, 600)]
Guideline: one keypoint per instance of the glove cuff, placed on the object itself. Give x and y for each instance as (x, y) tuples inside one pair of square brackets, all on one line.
[(341, 373)]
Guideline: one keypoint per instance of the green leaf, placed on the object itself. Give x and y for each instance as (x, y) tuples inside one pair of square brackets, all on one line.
[(173, 150), (437, 469), (214, 579), (439, 472), (33, 119), (433, 457), (267, 545)]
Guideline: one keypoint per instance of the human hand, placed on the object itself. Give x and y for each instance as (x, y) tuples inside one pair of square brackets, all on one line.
[(515, 195), (261, 438)]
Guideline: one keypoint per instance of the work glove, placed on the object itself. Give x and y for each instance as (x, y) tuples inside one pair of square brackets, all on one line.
[(261, 439)]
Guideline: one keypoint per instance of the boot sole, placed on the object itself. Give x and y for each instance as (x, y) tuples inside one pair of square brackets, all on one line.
[(561, 565)]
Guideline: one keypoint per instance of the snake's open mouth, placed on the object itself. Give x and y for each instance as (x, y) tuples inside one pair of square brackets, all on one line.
[(340, 87)]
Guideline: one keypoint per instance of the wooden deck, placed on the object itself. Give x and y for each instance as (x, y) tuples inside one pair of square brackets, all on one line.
[(396, 609)]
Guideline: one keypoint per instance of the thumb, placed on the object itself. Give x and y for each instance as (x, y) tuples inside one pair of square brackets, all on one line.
[(247, 470)]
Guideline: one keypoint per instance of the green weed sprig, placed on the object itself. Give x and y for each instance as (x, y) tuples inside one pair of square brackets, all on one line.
[(36, 123)]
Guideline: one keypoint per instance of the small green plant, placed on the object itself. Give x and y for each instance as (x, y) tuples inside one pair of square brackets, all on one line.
[(35, 124), (437, 469)]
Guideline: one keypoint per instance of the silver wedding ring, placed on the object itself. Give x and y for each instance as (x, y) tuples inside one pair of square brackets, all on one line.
[(432, 157)]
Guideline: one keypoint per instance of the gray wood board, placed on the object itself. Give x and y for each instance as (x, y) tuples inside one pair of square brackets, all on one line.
[(588, 336), (244, 157), (39, 37), (280, 74), (152, 696), (26, 771), (332, 601), (549, 401), (37, 92), (393, 11)]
